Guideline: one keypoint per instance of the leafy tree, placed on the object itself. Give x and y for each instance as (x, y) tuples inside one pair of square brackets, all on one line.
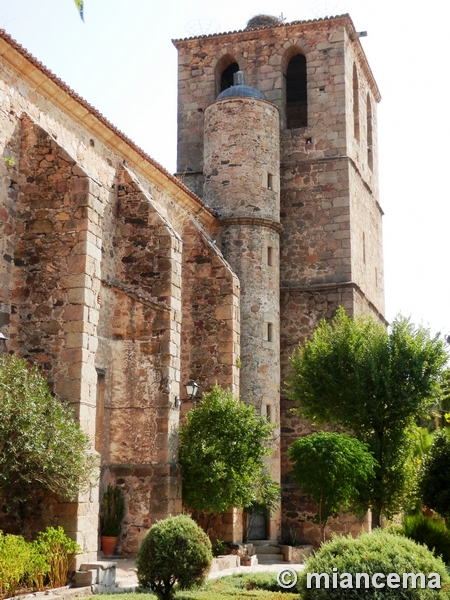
[(331, 468), (373, 382), (41, 446), (434, 478), (222, 450)]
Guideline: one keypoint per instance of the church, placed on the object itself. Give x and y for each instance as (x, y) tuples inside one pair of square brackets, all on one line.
[(123, 282)]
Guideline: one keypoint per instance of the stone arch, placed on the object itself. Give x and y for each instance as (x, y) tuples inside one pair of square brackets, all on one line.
[(225, 69), (295, 88)]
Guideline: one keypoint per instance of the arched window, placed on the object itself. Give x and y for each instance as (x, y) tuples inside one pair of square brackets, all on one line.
[(355, 104), (369, 134), (226, 79), (296, 94)]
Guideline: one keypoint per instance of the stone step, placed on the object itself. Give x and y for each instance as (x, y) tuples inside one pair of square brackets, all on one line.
[(268, 550), (264, 542), (270, 559)]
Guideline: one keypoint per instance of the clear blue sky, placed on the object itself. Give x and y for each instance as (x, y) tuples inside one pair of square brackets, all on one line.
[(122, 61)]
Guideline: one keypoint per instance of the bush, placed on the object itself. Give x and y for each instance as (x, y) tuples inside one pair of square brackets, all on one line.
[(38, 567), (42, 447), (57, 549), (378, 552), (430, 532), (175, 550), (46, 560), (14, 558)]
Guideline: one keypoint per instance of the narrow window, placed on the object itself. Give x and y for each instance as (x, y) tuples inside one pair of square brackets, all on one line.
[(376, 278), (226, 80), (270, 256), (266, 412), (364, 247), (296, 93), (369, 134), (100, 410), (269, 332), (355, 104), (269, 181)]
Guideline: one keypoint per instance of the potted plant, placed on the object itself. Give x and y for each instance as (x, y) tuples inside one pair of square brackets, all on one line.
[(111, 521)]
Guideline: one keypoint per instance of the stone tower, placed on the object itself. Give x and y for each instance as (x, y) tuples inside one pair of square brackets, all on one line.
[(321, 247), (241, 169)]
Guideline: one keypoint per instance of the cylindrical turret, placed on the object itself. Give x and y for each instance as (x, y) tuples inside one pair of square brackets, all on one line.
[(241, 168)]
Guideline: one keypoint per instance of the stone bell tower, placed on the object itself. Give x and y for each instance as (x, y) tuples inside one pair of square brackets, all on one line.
[(289, 161)]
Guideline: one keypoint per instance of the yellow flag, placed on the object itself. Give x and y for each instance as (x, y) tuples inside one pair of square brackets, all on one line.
[(80, 6)]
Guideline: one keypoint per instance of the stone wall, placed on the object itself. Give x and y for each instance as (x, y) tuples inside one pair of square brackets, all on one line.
[(263, 55), (55, 282), (366, 242), (211, 316), (315, 214), (91, 289)]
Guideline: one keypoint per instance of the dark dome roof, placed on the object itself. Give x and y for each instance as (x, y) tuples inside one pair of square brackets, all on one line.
[(259, 21), (241, 90)]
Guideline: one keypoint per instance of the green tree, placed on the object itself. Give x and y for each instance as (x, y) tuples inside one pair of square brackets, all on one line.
[(222, 448), (434, 477), (331, 468), (41, 446), (373, 382)]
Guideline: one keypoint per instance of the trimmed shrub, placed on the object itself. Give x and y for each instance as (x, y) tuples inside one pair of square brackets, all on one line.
[(378, 552), (430, 532), (175, 550)]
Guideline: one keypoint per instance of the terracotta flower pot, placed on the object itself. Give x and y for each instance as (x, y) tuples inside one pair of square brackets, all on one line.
[(109, 544)]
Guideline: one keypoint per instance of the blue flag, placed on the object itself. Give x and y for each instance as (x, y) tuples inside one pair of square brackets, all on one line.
[(80, 6)]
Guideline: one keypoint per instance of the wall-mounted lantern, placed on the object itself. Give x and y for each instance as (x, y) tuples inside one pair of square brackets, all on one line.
[(191, 391), (3, 340)]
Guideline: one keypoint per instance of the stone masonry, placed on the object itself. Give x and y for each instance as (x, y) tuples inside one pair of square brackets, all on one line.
[(328, 242), (122, 282)]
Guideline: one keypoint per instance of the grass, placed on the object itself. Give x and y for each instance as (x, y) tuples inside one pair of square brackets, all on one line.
[(259, 586)]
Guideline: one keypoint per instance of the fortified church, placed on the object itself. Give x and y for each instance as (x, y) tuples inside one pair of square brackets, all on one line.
[(123, 282)]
